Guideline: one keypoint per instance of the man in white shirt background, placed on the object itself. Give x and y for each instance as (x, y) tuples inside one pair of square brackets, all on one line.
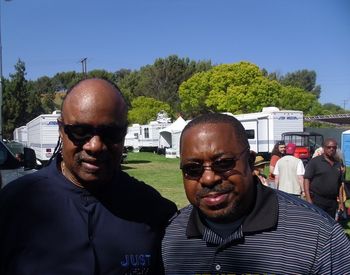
[(289, 173)]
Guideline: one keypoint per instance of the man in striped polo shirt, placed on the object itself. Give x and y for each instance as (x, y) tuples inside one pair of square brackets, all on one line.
[(234, 225)]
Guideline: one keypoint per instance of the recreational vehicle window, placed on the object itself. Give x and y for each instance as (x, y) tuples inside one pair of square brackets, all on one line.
[(250, 134), (146, 132)]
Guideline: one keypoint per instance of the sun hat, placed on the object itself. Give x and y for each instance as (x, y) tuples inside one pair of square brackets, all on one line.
[(259, 160)]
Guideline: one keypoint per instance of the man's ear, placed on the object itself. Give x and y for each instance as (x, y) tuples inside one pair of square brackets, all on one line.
[(251, 160)]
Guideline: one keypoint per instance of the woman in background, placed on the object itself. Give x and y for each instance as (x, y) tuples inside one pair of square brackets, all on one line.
[(278, 151)]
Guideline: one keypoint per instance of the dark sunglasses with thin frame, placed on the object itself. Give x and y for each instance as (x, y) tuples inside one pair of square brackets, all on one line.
[(222, 167), (79, 134)]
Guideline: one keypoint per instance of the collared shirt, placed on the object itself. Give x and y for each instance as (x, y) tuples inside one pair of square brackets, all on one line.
[(281, 235), (325, 178)]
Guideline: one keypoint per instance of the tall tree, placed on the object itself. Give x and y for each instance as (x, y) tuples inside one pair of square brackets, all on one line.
[(162, 79), (64, 80), (34, 105), (330, 108), (48, 102), (15, 100), (120, 74), (303, 79), (128, 85), (101, 74), (239, 88), (145, 109)]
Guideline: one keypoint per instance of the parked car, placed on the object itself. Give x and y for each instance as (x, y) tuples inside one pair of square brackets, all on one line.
[(12, 166)]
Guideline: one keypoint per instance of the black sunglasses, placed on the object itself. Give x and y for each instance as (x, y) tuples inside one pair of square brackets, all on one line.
[(79, 134), (222, 167)]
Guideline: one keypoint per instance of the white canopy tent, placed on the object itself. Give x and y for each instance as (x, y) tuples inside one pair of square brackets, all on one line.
[(170, 136)]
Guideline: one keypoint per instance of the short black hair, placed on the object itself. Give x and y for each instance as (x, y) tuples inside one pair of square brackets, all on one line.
[(213, 118)]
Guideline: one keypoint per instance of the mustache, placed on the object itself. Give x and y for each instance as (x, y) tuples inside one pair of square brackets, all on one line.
[(95, 159), (215, 189)]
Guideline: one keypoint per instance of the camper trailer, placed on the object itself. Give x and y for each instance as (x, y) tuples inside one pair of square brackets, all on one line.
[(132, 137), (265, 128), (20, 135), (43, 135), (146, 137)]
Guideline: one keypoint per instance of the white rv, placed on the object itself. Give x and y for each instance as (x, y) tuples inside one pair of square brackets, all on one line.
[(20, 135), (265, 128), (146, 137), (132, 136), (43, 135)]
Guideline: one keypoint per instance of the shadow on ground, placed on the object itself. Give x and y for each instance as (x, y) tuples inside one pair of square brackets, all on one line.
[(126, 167)]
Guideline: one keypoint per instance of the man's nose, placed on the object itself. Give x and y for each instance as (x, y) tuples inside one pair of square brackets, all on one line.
[(95, 144), (209, 177)]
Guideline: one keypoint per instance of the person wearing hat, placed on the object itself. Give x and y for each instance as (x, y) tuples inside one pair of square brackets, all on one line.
[(289, 173), (259, 166)]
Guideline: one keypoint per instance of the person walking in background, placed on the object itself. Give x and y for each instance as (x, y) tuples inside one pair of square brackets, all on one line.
[(82, 214), (278, 151), (236, 225), (289, 172), (323, 178)]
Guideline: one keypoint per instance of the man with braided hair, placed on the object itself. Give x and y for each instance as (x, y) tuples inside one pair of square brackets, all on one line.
[(82, 214)]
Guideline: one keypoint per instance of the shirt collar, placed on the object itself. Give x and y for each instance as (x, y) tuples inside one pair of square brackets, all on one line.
[(263, 216)]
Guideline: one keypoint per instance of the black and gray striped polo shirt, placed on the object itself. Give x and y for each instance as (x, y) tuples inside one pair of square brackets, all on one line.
[(282, 235)]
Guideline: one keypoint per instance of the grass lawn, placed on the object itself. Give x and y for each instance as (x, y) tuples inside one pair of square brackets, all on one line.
[(160, 172)]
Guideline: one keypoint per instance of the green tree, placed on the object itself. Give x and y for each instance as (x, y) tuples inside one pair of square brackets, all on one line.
[(120, 74), (145, 109), (239, 88), (101, 74), (48, 102), (65, 80), (303, 79), (128, 85), (331, 108), (34, 106), (15, 100), (162, 79)]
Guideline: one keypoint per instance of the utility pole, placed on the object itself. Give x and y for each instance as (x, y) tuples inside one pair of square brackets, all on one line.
[(83, 65), (1, 84)]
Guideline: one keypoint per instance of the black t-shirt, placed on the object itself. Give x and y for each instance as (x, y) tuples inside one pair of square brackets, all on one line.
[(50, 226)]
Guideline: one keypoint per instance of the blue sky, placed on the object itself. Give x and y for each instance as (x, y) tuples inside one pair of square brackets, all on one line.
[(51, 36)]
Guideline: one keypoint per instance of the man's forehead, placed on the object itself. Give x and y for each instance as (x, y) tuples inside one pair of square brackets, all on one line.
[(210, 132), (94, 94), (201, 128), (330, 143)]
